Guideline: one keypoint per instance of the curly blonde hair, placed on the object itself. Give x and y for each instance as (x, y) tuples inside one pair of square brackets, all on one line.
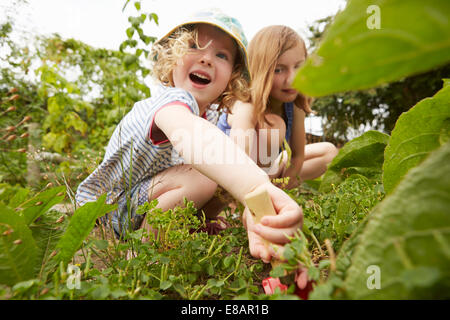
[(167, 52)]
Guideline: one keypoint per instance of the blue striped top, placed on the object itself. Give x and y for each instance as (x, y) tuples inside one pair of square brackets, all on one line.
[(132, 153)]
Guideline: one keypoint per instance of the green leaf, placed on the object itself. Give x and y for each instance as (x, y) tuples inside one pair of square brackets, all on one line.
[(54, 106), (129, 60), (417, 132), (24, 286), (420, 277), (277, 272), (324, 264), (363, 154), (154, 17), (17, 248), (72, 119), (229, 261), (344, 213), (80, 225), (135, 21), (130, 32), (46, 232), (313, 273), (407, 236), (18, 198), (345, 253), (166, 284), (446, 82), (41, 203), (101, 244), (413, 36)]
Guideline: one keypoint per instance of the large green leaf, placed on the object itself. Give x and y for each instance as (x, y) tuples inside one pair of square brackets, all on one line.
[(362, 155), (414, 36), (41, 203), (417, 132), (46, 232), (18, 249), (80, 225), (408, 237)]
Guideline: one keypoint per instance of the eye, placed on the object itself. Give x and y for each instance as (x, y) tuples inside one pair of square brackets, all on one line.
[(222, 56), (297, 66), (278, 69), (193, 45)]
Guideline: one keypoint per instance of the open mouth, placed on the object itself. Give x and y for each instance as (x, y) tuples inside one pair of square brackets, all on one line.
[(198, 78)]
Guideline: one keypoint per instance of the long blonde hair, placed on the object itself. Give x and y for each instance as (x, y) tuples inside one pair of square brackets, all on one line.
[(264, 50), (166, 54)]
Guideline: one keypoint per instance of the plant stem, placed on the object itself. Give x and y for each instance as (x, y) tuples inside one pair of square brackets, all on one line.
[(332, 255), (317, 242)]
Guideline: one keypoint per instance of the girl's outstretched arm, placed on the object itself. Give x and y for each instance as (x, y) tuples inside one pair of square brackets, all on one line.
[(207, 149), (210, 151)]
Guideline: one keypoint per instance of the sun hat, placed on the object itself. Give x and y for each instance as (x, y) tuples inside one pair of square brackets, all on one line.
[(217, 18)]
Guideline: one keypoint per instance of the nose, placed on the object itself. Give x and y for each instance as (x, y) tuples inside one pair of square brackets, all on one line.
[(206, 59), (291, 76)]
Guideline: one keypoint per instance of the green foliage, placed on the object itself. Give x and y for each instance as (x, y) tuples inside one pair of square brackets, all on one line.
[(350, 113), (356, 54), (81, 224), (40, 204), (78, 93), (335, 214), (73, 111), (46, 231), (181, 262), (29, 230), (18, 248), (408, 237), (362, 155), (418, 132)]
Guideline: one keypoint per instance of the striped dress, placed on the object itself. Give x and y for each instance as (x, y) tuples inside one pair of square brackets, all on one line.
[(132, 154)]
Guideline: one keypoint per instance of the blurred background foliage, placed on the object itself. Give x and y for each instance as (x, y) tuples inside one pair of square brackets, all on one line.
[(76, 94), (352, 113)]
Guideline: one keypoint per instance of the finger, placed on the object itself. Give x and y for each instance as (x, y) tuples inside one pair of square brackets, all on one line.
[(288, 211), (302, 279), (286, 217), (257, 248), (275, 235)]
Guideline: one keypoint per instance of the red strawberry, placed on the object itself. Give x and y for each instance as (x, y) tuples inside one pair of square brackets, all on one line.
[(270, 284)]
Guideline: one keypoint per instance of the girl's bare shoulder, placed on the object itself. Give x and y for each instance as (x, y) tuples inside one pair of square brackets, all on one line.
[(240, 106), (242, 110)]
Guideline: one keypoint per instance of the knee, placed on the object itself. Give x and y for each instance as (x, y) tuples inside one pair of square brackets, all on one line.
[(207, 187), (200, 187), (330, 151)]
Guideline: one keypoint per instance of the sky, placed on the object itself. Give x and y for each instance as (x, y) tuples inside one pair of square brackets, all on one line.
[(102, 23)]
